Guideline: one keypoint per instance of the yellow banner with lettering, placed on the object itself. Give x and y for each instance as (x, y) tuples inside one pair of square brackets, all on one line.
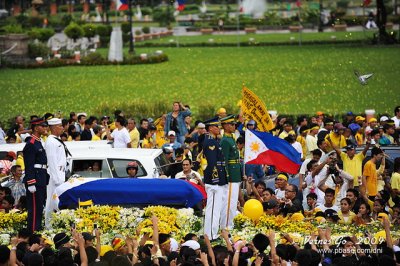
[(254, 108)]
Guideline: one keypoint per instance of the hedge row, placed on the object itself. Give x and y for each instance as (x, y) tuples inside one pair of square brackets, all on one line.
[(91, 59)]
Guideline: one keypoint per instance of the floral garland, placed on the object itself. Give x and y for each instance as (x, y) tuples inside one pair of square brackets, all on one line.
[(111, 220), (300, 231), (11, 223)]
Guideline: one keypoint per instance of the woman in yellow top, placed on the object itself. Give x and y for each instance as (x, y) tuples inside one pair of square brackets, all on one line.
[(147, 140), (345, 215)]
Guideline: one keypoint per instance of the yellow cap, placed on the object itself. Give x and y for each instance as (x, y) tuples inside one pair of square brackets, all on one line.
[(372, 119), (359, 118), (221, 111)]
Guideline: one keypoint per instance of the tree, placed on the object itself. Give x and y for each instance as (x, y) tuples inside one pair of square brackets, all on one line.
[(381, 19)]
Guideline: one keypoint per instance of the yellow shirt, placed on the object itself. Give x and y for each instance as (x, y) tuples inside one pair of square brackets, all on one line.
[(135, 136), (146, 144), (20, 162), (371, 177), (359, 138), (395, 181), (338, 140), (353, 166), (95, 138), (69, 138), (160, 137), (302, 141), (283, 135), (348, 220)]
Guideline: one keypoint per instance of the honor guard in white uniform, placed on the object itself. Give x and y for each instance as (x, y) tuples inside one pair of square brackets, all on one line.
[(56, 152), (215, 180)]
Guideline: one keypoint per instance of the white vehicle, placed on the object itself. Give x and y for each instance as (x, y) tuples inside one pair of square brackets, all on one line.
[(71, 145), (111, 163), (99, 159)]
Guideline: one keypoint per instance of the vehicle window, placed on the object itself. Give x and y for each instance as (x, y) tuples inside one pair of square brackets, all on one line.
[(118, 168), (162, 164), (91, 168)]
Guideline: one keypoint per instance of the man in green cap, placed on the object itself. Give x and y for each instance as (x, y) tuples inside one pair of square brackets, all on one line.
[(232, 162)]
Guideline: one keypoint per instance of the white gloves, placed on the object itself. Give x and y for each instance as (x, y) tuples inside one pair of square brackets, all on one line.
[(32, 189)]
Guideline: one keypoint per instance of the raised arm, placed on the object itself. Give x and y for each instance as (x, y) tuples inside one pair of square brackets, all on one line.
[(336, 148), (210, 250), (321, 185)]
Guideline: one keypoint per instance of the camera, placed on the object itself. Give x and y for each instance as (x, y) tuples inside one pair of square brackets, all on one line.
[(332, 170)]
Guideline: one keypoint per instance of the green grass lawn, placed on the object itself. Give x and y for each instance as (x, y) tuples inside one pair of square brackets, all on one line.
[(289, 79)]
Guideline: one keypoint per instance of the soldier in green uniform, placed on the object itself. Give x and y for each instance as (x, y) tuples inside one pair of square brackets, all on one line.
[(234, 170)]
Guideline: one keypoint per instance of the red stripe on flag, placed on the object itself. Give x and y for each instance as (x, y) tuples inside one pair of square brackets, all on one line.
[(281, 162)]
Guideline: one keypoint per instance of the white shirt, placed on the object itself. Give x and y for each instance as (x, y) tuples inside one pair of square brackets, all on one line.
[(121, 138), (2, 136), (280, 194), (323, 208), (191, 176), (56, 160), (329, 183), (311, 144), (396, 121), (303, 168)]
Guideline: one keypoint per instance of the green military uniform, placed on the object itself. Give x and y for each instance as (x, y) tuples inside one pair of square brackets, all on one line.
[(232, 158), (233, 167)]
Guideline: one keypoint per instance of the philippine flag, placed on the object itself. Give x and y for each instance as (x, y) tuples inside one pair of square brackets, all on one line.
[(181, 5), (122, 5), (264, 148)]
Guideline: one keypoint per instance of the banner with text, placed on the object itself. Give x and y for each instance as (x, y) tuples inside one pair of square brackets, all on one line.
[(254, 108)]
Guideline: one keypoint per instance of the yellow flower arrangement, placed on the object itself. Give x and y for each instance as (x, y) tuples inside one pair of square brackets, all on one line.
[(12, 222)]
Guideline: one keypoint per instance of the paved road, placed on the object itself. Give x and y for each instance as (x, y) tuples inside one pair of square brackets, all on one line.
[(182, 31)]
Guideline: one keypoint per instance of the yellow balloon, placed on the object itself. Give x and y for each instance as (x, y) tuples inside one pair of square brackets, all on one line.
[(253, 209)]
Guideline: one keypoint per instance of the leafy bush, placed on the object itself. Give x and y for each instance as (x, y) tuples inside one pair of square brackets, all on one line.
[(138, 32), (35, 22), (13, 28), (104, 30), (55, 22), (74, 31), (23, 20), (104, 41), (146, 11), (146, 30), (126, 27), (342, 4), (41, 34), (162, 16), (66, 53), (38, 50), (66, 19), (94, 59), (89, 30)]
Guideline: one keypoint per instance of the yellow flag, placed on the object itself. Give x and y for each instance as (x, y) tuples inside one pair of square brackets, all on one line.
[(254, 108)]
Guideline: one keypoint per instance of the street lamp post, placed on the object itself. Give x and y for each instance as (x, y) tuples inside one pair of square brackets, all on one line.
[(131, 48), (320, 22)]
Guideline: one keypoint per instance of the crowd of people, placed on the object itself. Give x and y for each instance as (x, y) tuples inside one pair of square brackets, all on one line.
[(335, 185)]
